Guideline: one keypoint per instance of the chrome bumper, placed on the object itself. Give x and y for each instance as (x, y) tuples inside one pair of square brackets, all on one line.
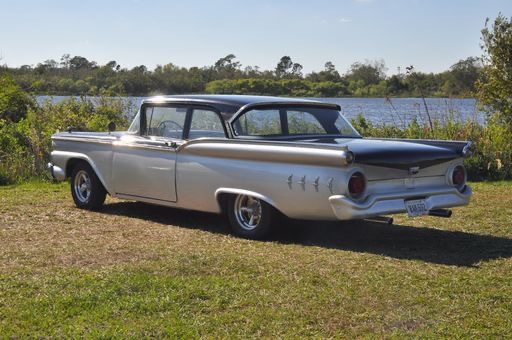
[(346, 208), (56, 173)]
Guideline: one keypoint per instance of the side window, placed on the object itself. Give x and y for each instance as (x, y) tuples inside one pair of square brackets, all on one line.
[(301, 123), (344, 127), (165, 121), (259, 123), (205, 123)]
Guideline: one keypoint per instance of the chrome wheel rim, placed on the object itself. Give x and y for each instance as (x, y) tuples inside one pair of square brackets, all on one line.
[(82, 186), (248, 212)]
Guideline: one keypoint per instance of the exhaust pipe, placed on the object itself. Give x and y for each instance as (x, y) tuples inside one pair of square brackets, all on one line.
[(447, 213), (380, 219)]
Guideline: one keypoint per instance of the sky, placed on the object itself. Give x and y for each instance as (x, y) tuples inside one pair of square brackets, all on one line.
[(432, 35)]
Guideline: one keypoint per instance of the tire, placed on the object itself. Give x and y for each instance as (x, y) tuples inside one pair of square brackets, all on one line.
[(249, 217), (86, 188)]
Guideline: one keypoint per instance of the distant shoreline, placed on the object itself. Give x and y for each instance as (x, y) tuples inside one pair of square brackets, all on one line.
[(378, 110), (251, 94)]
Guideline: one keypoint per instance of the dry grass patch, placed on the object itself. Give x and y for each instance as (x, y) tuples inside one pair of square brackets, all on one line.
[(139, 270)]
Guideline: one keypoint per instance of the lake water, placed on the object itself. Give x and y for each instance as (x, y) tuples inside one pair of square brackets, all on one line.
[(395, 111)]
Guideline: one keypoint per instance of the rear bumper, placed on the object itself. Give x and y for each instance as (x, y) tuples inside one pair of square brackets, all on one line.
[(56, 173), (383, 204)]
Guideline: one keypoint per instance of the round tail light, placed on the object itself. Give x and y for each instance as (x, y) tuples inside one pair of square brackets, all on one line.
[(459, 177), (356, 185)]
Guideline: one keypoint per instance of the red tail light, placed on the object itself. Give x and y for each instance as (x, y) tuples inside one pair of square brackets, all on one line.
[(459, 177), (356, 185)]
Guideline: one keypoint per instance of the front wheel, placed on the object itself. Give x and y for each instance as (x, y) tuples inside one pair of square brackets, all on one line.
[(249, 217), (86, 188)]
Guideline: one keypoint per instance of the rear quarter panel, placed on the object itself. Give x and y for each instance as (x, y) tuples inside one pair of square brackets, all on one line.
[(298, 181), (97, 153)]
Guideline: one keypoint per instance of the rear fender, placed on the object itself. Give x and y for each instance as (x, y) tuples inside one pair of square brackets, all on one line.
[(235, 191)]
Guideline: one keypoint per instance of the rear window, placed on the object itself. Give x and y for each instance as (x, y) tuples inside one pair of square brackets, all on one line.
[(283, 122), (300, 122), (259, 123)]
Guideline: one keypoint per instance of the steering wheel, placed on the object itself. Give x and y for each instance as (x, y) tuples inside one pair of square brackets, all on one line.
[(166, 130)]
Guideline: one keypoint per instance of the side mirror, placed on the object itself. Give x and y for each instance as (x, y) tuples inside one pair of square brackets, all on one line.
[(111, 127)]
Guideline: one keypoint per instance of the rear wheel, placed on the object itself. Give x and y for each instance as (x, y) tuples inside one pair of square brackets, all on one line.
[(86, 188), (249, 216)]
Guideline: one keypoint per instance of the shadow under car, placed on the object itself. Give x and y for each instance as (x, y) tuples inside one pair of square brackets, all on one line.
[(448, 247)]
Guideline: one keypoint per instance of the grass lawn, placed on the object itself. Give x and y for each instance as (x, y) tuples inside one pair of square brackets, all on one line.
[(136, 270)]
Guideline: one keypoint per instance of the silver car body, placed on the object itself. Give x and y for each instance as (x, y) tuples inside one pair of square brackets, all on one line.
[(301, 179)]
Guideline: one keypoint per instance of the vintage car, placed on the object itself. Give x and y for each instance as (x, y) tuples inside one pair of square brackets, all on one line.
[(255, 158)]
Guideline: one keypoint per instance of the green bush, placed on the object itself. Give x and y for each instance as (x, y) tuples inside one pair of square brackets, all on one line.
[(16, 160), (25, 145), (280, 87), (26, 129), (492, 145), (14, 102)]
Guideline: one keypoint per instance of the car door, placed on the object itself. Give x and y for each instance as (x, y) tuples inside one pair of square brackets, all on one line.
[(144, 167)]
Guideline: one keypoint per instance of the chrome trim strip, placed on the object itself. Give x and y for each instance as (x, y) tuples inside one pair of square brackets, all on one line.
[(295, 144), (146, 146), (143, 197), (98, 140), (267, 153)]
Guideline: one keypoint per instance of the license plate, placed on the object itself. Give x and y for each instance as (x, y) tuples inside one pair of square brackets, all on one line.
[(416, 208)]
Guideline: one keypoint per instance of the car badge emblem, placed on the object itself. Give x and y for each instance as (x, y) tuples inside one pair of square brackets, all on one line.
[(414, 170)]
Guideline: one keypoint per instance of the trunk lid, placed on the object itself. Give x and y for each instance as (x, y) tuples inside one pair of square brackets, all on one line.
[(398, 154), (392, 159)]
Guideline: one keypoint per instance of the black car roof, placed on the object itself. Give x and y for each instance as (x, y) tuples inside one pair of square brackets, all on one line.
[(228, 105)]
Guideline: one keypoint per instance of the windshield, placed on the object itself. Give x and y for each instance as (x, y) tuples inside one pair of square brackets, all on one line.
[(293, 122), (135, 126)]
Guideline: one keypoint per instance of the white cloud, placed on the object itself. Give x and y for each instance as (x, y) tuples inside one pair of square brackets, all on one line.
[(345, 20)]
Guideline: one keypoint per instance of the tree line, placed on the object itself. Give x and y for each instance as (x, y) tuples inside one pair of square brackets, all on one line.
[(78, 76), (26, 125)]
